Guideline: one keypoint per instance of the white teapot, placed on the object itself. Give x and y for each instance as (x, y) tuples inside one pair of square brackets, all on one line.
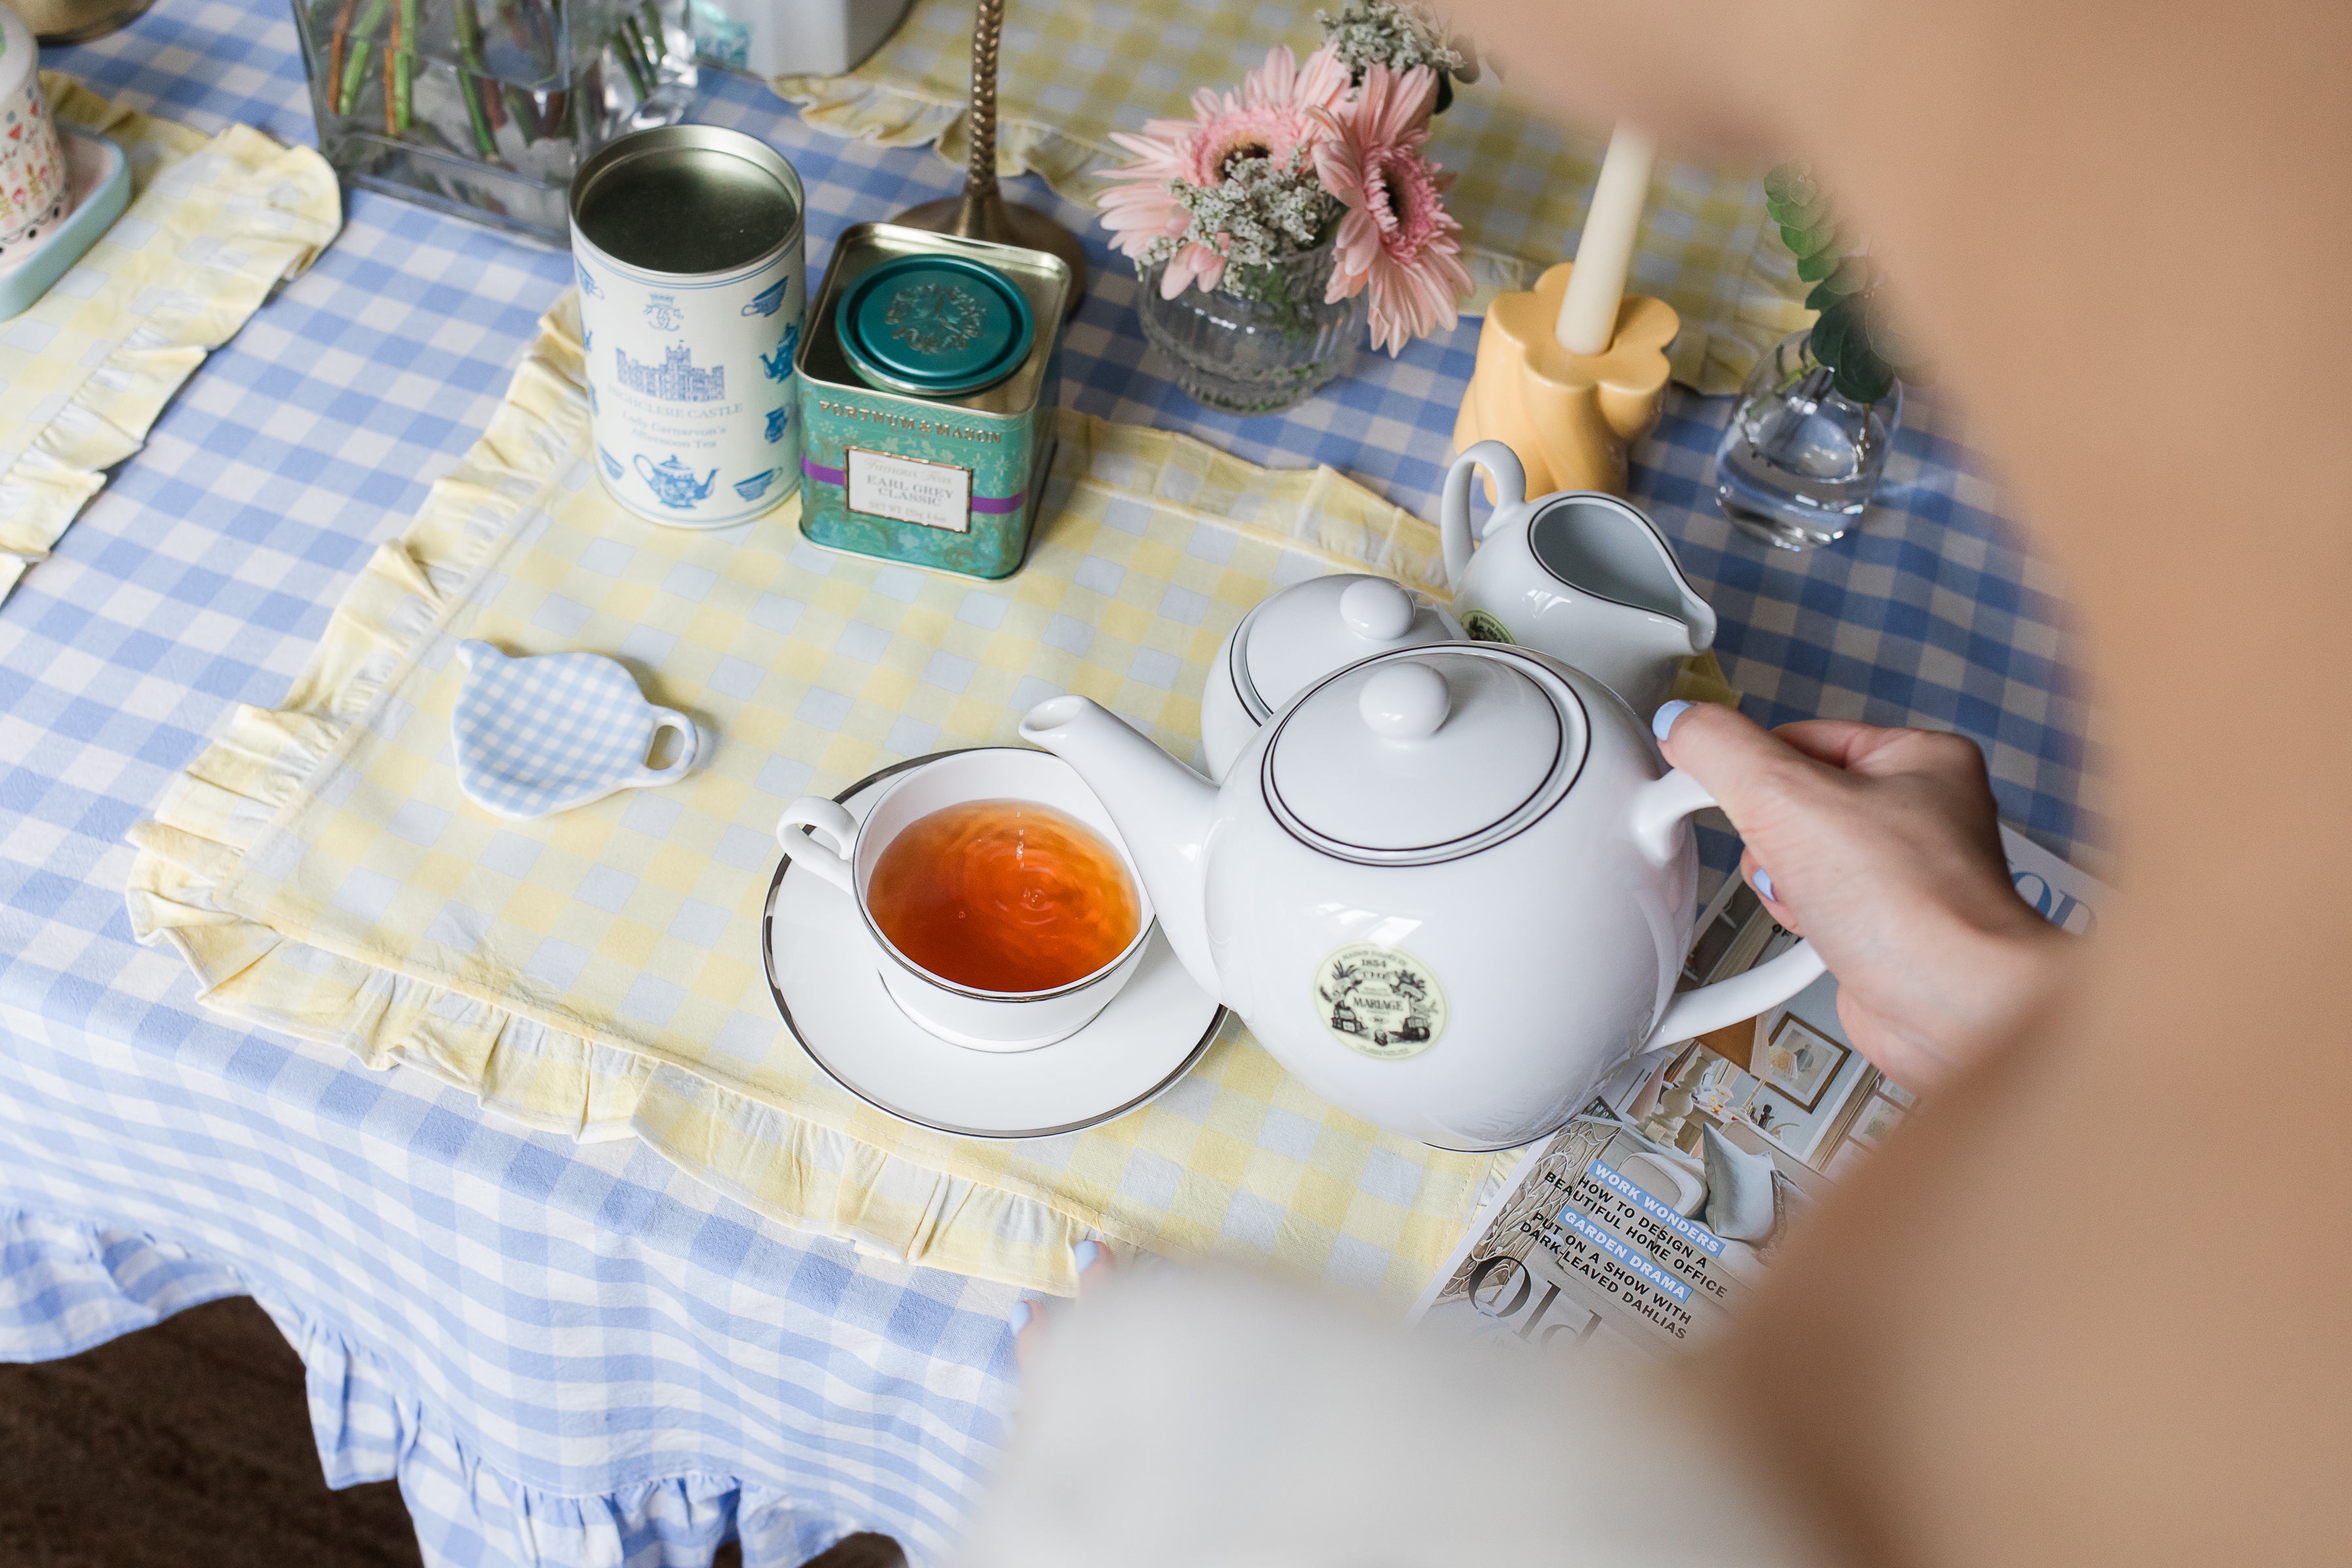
[(1578, 574), (1294, 639), (1446, 886)]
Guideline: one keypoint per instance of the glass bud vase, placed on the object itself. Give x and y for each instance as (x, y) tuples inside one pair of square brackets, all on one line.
[(1799, 462), (1263, 341)]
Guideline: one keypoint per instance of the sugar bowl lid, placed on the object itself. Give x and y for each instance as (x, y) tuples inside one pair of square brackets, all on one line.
[(1425, 755), (1311, 628), (935, 326)]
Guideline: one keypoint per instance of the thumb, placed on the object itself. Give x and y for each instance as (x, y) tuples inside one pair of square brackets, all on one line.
[(1745, 766)]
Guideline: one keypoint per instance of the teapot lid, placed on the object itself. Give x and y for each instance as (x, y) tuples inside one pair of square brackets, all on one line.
[(1311, 628), (1425, 755)]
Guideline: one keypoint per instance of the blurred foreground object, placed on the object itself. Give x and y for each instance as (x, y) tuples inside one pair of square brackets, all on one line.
[(1197, 1418)]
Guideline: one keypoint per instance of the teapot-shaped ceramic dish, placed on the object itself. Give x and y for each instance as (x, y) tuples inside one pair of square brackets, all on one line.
[(1294, 639), (1450, 888), (1578, 574), (673, 483), (551, 732)]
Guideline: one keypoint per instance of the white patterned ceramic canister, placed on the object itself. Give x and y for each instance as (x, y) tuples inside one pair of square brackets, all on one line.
[(688, 242), (33, 194)]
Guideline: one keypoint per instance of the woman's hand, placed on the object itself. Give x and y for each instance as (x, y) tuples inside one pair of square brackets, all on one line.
[(1884, 847)]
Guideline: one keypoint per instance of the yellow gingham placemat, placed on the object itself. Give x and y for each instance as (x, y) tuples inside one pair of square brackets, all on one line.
[(1072, 72), (598, 972), (214, 223)]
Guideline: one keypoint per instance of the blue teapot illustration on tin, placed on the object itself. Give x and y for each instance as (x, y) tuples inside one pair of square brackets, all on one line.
[(779, 365), (612, 463), (756, 486), (768, 300), (588, 284), (673, 483), (776, 417)]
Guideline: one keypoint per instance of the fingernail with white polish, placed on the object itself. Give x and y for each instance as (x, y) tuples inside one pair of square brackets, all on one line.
[(1020, 1315), (1087, 1253), (1763, 881), (1663, 721)]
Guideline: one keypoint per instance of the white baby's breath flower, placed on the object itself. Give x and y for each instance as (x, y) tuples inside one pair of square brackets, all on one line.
[(1397, 34)]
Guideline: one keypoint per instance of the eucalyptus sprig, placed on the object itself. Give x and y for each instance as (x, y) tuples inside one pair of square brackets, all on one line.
[(1865, 353)]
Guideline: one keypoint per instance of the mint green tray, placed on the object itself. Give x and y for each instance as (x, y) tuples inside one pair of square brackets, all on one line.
[(100, 175)]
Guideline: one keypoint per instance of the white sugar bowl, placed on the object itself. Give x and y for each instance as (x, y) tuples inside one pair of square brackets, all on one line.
[(1449, 888), (1294, 639)]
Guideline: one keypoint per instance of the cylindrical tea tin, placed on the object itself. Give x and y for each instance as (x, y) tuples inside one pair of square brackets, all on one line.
[(929, 386), (688, 244)]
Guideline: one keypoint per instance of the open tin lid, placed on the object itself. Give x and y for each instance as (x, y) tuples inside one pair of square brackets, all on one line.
[(935, 326), (1425, 755)]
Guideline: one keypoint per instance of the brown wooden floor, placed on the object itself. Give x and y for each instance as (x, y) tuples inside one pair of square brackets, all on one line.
[(188, 1446)]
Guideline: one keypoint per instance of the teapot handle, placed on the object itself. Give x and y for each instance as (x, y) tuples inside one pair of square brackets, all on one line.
[(1454, 511), (1658, 811)]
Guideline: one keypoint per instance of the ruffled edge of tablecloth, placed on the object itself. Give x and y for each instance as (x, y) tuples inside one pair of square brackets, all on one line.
[(1766, 304), (72, 1284), (282, 208), (780, 1164)]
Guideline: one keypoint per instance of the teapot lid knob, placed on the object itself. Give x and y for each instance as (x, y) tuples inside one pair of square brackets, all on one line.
[(1406, 701), (1377, 609)]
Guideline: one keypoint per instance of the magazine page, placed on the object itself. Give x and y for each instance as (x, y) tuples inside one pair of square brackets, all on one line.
[(1639, 1225)]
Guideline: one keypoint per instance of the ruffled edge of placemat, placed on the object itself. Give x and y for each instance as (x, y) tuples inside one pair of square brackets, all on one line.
[(773, 1160), (282, 208), (219, 806), (777, 1162)]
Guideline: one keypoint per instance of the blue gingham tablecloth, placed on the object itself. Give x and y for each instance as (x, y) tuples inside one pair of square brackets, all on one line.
[(571, 1354)]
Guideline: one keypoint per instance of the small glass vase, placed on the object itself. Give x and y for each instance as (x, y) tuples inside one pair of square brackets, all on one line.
[(1799, 462), (485, 107), (1262, 342)]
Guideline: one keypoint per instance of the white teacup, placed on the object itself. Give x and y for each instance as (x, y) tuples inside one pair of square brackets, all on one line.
[(843, 851)]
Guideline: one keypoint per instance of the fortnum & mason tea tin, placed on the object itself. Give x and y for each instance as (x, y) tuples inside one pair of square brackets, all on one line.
[(928, 387), (687, 240)]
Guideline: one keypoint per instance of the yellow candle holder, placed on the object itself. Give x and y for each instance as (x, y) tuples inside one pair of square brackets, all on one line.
[(1569, 416)]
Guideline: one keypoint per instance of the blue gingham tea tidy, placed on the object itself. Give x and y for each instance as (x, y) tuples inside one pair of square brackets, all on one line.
[(545, 734)]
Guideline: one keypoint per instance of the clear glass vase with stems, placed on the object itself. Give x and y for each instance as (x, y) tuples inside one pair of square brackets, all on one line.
[(485, 107), (1262, 342), (1799, 461)]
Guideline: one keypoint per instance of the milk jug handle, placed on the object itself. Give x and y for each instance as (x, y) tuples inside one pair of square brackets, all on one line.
[(1658, 813), (1453, 511)]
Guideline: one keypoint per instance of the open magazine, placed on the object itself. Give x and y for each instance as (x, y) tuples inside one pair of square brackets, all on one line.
[(1641, 1224)]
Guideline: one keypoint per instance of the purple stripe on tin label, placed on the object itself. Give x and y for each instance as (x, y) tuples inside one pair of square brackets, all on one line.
[(991, 505)]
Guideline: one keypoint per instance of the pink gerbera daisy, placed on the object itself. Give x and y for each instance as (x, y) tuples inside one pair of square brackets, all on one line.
[(1276, 115), (1396, 240)]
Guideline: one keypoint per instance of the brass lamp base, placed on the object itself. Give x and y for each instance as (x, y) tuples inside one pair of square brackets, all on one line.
[(981, 212), (989, 217)]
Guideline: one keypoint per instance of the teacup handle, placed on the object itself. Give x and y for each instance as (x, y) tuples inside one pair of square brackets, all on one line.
[(1658, 809), (688, 738), (1454, 511), (825, 848)]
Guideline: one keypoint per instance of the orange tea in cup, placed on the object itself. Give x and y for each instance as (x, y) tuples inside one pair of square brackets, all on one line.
[(1003, 894)]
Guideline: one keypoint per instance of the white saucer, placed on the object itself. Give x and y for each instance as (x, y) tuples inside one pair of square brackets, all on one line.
[(825, 974)]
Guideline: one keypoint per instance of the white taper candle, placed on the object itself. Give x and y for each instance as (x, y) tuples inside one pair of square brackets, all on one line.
[(1587, 311)]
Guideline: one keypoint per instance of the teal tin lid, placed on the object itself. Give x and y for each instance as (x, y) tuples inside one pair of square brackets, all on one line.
[(935, 326)]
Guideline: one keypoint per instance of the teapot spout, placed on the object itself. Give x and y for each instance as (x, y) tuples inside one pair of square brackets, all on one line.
[(1163, 810)]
